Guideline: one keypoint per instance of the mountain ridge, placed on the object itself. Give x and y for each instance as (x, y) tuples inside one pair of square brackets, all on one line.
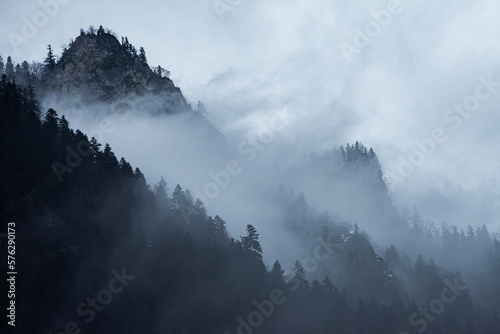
[(97, 68)]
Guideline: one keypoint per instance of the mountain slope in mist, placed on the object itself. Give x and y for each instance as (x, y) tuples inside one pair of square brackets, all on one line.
[(98, 79), (190, 276), (179, 270), (349, 183)]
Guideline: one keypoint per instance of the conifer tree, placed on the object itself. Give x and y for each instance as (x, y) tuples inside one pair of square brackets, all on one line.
[(251, 242), (178, 197), (299, 271), (220, 228), (327, 283), (9, 69), (50, 60), (161, 190), (142, 56), (277, 272)]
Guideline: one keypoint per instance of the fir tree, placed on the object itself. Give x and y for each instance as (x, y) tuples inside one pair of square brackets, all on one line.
[(9, 69), (220, 228), (50, 60), (142, 56), (100, 31), (178, 197), (161, 190), (277, 273), (251, 242)]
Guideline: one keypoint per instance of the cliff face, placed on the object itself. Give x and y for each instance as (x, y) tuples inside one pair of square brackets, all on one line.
[(97, 68)]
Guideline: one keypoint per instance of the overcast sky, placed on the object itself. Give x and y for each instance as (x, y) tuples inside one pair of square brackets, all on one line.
[(341, 75)]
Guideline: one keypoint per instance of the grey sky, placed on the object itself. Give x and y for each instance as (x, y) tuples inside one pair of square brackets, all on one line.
[(263, 55)]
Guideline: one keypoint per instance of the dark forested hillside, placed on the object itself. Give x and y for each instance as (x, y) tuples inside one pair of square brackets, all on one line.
[(102, 252)]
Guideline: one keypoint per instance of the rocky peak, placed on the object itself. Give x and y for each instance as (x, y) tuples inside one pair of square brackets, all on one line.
[(98, 68)]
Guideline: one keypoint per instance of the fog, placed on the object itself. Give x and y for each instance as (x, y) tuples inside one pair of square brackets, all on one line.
[(262, 58), (234, 179)]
